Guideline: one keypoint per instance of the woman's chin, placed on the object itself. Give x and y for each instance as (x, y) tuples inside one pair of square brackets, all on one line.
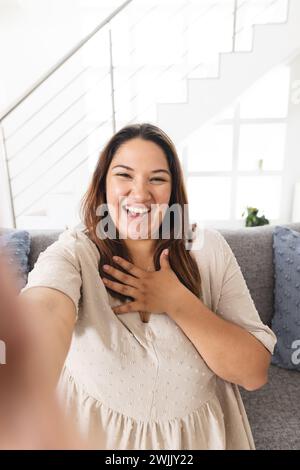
[(134, 234)]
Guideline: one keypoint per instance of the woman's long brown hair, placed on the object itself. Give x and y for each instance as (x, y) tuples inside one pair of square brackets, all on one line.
[(181, 261)]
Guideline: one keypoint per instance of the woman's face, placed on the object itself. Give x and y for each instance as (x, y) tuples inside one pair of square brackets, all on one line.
[(138, 180)]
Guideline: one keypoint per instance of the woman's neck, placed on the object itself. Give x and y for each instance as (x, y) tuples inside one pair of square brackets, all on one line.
[(142, 252)]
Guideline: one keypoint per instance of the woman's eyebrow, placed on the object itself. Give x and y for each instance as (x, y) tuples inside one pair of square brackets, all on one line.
[(154, 171)]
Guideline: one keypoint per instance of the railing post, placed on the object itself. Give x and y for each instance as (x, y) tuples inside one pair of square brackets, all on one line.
[(235, 9), (112, 81), (7, 212)]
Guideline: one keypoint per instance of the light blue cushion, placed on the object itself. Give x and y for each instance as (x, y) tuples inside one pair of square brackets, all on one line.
[(16, 244), (286, 320)]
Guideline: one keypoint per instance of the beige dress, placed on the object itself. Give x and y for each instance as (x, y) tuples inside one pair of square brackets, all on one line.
[(135, 385)]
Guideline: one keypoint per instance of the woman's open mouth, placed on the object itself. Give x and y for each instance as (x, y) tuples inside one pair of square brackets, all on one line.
[(136, 212)]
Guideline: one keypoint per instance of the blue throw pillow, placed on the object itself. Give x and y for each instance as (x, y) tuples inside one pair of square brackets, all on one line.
[(16, 244), (286, 319)]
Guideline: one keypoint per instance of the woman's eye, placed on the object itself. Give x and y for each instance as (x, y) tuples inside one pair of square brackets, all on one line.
[(153, 179), (122, 174)]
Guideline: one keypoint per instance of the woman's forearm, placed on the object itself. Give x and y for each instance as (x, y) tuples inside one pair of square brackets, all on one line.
[(54, 331), (229, 350)]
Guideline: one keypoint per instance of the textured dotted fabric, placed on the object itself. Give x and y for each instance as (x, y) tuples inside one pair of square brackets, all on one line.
[(135, 385), (286, 319), (16, 245)]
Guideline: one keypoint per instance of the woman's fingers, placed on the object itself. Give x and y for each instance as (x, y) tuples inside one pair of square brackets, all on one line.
[(127, 307), (129, 267), (121, 288), (123, 277)]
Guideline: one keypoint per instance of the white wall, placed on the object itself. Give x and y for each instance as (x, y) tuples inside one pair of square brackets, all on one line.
[(292, 162), (33, 37), (35, 34), (6, 218)]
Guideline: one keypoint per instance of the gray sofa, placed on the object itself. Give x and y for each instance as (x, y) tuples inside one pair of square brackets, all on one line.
[(273, 410)]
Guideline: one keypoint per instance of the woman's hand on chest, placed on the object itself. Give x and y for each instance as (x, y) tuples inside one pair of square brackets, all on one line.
[(154, 292)]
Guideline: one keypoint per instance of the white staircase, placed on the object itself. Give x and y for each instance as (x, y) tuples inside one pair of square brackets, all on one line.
[(273, 44), (51, 139)]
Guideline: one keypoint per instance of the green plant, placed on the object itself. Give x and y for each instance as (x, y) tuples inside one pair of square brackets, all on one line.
[(253, 220)]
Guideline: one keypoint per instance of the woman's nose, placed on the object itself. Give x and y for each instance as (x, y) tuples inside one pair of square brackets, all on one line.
[(140, 190)]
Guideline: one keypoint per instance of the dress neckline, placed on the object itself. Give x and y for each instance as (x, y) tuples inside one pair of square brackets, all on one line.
[(144, 316)]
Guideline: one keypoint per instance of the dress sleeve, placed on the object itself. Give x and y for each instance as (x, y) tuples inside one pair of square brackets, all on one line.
[(58, 267), (235, 302)]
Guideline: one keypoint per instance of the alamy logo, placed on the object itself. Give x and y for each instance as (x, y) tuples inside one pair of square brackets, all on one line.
[(2, 353), (296, 354), (144, 225)]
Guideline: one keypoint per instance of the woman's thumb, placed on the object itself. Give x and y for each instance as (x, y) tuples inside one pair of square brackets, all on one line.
[(164, 259)]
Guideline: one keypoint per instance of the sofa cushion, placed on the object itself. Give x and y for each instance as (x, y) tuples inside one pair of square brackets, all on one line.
[(40, 240), (274, 412), (286, 320), (253, 249), (16, 244)]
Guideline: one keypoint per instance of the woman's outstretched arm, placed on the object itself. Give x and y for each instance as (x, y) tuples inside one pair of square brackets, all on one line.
[(53, 315), (30, 417)]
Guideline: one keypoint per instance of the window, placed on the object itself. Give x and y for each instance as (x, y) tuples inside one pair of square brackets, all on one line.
[(210, 197), (263, 192), (210, 149), (238, 161), (261, 146)]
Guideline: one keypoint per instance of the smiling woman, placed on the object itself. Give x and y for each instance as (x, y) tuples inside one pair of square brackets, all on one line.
[(171, 383), (139, 179)]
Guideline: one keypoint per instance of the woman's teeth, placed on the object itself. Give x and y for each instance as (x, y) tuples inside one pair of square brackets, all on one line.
[(136, 211)]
